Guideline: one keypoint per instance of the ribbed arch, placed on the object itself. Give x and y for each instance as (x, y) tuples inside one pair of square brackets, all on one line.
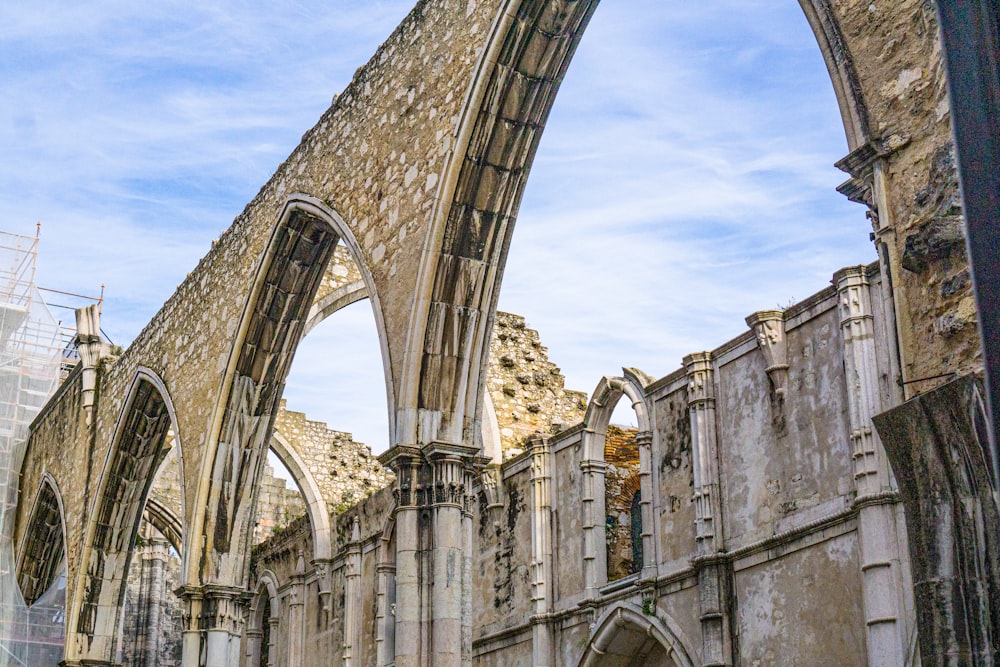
[(137, 449), (277, 310), (43, 548)]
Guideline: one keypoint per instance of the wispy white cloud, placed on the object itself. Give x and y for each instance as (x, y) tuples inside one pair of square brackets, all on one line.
[(684, 179)]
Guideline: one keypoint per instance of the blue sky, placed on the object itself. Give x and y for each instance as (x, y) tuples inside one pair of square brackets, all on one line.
[(685, 178)]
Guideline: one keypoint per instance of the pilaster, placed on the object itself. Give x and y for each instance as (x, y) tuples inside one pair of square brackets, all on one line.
[(541, 550), (714, 570), (448, 463), (644, 440), (352, 599), (876, 498), (595, 570)]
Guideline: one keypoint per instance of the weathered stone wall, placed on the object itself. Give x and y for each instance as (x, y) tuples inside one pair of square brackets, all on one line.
[(345, 470), (277, 505), (793, 549), (527, 389), (895, 48), (428, 188)]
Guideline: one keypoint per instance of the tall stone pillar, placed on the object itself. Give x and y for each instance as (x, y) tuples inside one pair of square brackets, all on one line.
[(882, 580), (273, 622), (644, 439), (407, 462), (714, 570), (595, 567), (448, 463), (296, 612), (352, 599), (385, 613), (473, 472), (192, 600), (541, 551), (222, 616), (154, 555)]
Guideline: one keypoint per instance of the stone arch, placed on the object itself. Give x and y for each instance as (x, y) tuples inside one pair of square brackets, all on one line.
[(287, 277), (316, 508), (265, 598), (163, 519), (339, 298), (840, 66), (527, 53), (606, 395), (609, 391), (625, 636), (43, 548), (138, 447)]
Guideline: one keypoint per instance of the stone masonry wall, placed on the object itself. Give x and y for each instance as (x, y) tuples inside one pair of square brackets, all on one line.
[(527, 389), (277, 505), (344, 470), (341, 271)]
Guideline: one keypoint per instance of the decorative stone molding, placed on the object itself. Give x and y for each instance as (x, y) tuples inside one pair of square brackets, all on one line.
[(769, 328), (701, 410), (92, 349)]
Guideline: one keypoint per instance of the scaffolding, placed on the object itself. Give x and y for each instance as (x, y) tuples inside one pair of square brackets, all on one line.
[(32, 348)]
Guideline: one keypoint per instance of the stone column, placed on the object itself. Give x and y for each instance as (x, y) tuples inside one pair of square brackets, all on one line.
[(595, 567), (869, 186), (385, 614), (222, 616), (473, 471), (352, 598), (541, 551), (406, 461), (714, 570), (644, 439), (448, 463), (254, 638), (296, 612), (273, 623), (154, 557), (192, 599), (876, 497)]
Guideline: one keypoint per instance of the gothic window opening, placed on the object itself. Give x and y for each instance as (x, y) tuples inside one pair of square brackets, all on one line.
[(623, 521)]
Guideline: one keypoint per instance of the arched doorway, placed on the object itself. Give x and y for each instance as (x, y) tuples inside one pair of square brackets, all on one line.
[(626, 636)]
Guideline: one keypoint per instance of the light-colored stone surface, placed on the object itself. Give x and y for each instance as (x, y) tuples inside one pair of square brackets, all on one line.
[(420, 164)]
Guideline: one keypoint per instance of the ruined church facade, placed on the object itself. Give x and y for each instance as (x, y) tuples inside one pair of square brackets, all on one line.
[(813, 491)]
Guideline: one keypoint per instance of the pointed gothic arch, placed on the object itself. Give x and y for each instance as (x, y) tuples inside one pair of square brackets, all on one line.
[(609, 391), (43, 548), (137, 449), (263, 622), (627, 636), (274, 319)]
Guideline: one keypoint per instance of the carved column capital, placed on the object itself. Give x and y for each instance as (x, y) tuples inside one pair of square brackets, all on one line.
[(853, 300), (769, 328), (701, 385)]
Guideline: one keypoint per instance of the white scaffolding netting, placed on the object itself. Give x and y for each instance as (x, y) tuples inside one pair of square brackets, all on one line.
[(31, 351)]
